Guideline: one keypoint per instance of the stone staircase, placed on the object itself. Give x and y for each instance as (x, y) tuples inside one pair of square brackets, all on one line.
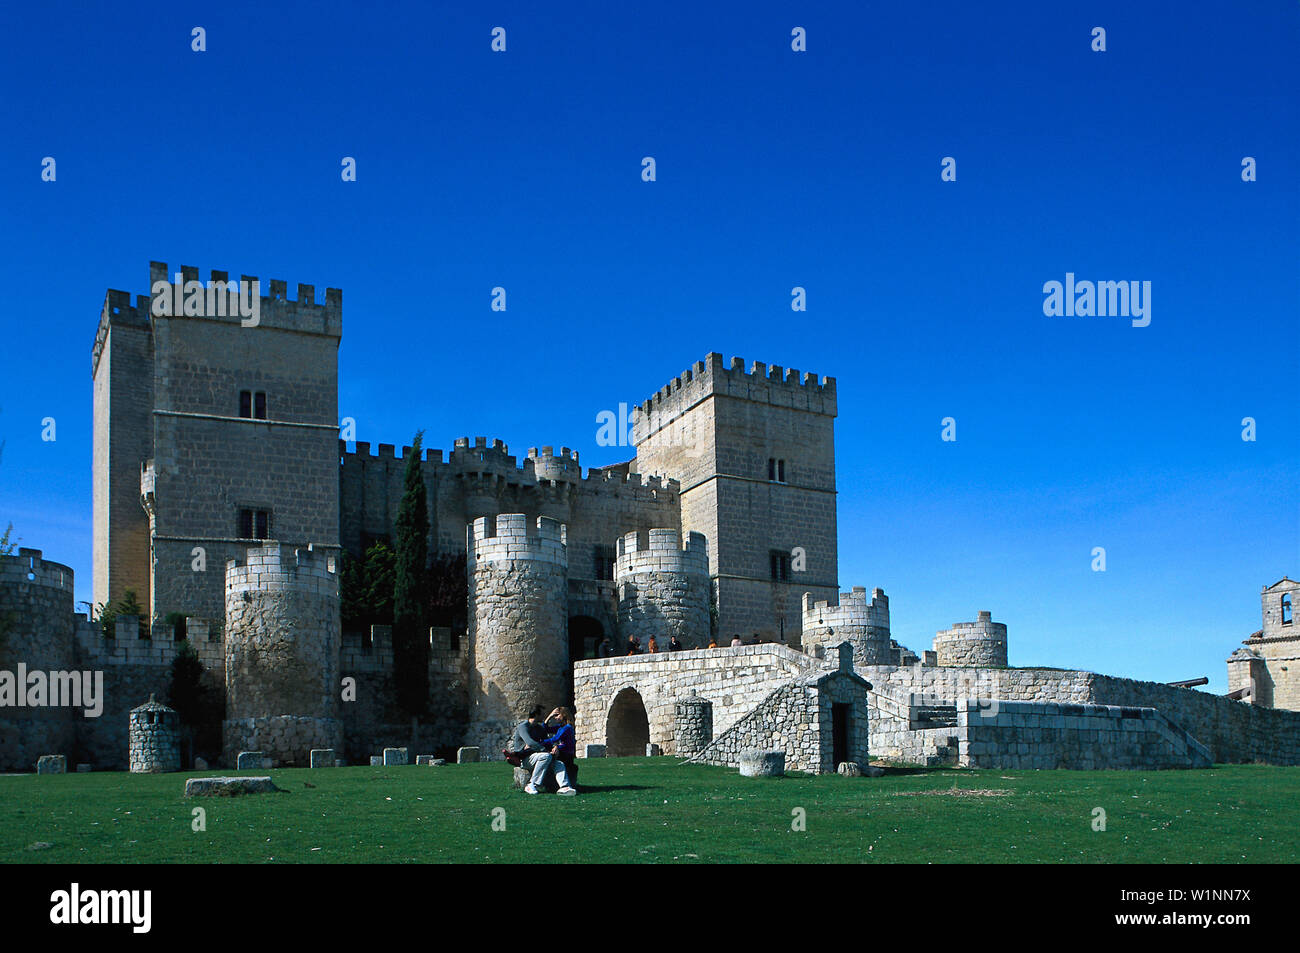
[(935, 716)]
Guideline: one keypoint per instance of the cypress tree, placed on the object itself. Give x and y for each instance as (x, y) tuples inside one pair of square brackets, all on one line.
[(410, 627)]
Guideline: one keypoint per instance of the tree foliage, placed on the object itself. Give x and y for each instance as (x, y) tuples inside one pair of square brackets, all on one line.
[(410, 624)]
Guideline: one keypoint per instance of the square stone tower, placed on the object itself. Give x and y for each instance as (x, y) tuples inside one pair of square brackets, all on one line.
[(754, 451), (122, 438), (224, 427), (1267, 669)]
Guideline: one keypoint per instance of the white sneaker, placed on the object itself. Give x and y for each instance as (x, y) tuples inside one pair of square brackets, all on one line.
[(567, 791), (530, 788)]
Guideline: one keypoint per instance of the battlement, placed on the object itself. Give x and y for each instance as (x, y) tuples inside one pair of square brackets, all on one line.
[(982, 643), (512, 536), (181, 294), (129, 647), (773, 385), (28, 567), (853, 609), (118, 310), (634, 484), (661, 550), (278, 565), (548, 465)]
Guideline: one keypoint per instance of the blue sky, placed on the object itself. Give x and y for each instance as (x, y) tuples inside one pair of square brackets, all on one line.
[(775, 169)]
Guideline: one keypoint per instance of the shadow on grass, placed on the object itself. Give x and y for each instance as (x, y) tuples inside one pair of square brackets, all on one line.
[(899, 770), (607, 788)]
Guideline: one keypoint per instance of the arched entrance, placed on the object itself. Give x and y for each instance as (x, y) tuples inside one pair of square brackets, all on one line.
[(627, 730), (585, 634)]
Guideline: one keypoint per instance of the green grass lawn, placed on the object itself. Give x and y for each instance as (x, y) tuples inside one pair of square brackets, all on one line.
[(656, 811)]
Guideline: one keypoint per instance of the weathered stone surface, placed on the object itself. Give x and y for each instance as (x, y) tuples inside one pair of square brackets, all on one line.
[(467, 755), (595, 751), (394, 756), (250, 761), (322, 758), (201, 765), (762, 764), (519, 613), (850, 769), (694, 724), (154, 735), (282, 644), (653, 751), (228, 787), (52, 764)]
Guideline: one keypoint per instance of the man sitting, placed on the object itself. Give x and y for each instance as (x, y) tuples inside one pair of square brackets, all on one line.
[(528, 738)]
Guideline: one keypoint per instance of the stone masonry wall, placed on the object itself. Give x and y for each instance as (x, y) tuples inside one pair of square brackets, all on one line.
[(797, 719), (1020, 735), (282, 655), (36, 631), (663, 589), (518, 624), (982, 643), (735, 680), (863, 624)]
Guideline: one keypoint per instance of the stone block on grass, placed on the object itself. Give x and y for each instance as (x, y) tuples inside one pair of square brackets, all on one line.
[(228, 787), (762, 764)]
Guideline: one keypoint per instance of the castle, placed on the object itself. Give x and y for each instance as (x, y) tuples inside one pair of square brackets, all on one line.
[(223, 496)]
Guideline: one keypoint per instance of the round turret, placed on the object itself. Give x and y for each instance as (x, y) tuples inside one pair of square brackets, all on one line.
[(36, 632), (282, 654), (548, 465), (693, 727), (863, 624), (978, 644), (663, 589), (518, 631), (155, 738)]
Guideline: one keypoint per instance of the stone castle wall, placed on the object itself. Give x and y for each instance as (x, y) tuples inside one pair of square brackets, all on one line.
[(372, 722), (36, 632), (1029, 735), (735, 680), (519, 650)]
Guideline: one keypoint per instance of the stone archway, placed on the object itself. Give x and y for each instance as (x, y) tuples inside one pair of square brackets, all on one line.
[(627, 728)]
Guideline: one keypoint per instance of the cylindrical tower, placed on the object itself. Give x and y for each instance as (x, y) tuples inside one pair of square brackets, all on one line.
[(282, 654), (863, 624), (663, 589), (518, 624), (155, 738), (693, 728), (978, 644), (36, 637)]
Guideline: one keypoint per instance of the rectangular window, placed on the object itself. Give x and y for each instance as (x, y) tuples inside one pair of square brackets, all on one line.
[(779, 563), (775, 470), (604, 568), (254, 524), (259, 405), (246, 403)]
